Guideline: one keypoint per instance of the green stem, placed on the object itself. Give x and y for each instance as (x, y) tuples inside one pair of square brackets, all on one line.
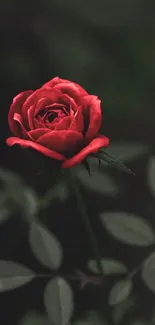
[(86, 221)]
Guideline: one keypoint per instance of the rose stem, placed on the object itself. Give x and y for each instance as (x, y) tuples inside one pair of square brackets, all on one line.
[(86, 220)]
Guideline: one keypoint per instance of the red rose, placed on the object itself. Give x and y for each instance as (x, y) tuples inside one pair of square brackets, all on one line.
[(60, 120)]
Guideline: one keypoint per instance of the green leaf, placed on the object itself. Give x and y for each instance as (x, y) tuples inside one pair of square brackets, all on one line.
[(112, 161), (5, 210), (99, 182), (14, 275), (57, 192), (153, 315), (16, 196), (120, 310), (91, 318), (120, 291), (58, 301), (34, 318), (10, 179), (45, 246), (87, 167), (30, 203), (110, 266), (141, 322), (129, 229), (148, 272), (127, 151), (151, 174)]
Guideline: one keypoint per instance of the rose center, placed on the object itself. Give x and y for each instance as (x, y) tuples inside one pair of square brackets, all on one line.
[(51, 116)]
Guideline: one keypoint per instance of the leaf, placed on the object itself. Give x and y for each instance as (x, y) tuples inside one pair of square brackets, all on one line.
[(94, 317), (99, 182), (9, 178), (140, 322), (110, 266), (45, 246), (127, 151), (16, 196), (91, 318), (120, 291), (5, 210), (59, 191), (153, 315), (129, 229), (58, 301), (120, 310), (34, 318), (82, 322), (148, 272), (87, 167), (30, 203), (112, 161), (151, 174), (14, 275), (4, 214), (62, 192)]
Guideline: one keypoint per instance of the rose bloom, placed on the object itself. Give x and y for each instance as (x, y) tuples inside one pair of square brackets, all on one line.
[(60, 120)]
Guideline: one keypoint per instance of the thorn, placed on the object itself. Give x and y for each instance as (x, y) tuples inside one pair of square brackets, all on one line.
[(86, 165)]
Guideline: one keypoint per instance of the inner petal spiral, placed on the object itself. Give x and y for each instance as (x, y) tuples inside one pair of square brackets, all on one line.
[(53, 113)]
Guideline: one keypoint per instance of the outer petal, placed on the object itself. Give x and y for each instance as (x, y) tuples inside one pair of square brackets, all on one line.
[(16, 107), (77, 121), (71, 85), (93, 147), (72, 89), (94, 115), (51, 94), (53, 82), (63, 141), (30, 144), (35, 134), (23, 133)]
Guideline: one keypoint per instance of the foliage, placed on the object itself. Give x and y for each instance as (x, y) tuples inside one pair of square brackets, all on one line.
[(59, 294)]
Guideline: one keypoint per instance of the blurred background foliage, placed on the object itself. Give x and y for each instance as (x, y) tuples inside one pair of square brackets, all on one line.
[(109, 48)]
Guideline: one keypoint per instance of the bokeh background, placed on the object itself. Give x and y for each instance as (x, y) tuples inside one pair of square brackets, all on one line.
[(108, 47)]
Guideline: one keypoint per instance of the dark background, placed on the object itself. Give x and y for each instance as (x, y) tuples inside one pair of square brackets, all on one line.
[(108, 47)]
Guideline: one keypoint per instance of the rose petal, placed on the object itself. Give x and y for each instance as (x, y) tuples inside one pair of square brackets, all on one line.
[(51, 94), (35, 134), (71, 86), (93, 147), (68, 101), (23, 131), (43, 102), (50, 126), (53, 82), (71, 112), (30, 144), (30, 117), (72, 89), (93, 109), (40, 120), (63, 141), (38, 124), (77, 122), (63, 124), (16, 107)]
